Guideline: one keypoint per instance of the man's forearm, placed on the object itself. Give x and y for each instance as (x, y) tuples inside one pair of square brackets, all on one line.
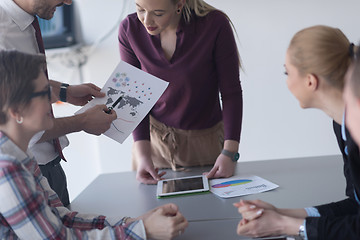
[(63, 126)]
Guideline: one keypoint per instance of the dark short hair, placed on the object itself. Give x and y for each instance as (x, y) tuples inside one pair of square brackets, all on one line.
[(18, 72)]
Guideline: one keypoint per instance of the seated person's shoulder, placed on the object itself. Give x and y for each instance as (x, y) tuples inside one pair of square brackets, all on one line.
[(8, 164)]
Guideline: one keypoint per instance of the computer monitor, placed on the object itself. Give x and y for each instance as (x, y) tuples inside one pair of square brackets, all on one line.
[(59, 31)]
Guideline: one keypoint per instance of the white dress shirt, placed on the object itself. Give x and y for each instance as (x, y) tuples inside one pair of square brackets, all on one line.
[(16, 32)]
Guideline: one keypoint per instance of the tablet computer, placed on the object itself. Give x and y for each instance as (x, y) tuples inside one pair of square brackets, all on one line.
[(182, 185)]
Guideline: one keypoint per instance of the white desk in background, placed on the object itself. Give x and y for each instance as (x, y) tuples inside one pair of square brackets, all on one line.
[(303, 182)]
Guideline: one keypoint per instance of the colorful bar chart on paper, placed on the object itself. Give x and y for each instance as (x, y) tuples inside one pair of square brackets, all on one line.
[(240, 185), (232, 183)]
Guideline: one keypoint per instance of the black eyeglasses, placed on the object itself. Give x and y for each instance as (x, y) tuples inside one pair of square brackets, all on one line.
[(42, 93)]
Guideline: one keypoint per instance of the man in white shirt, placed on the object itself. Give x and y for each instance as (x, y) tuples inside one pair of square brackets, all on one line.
[(17, 32)]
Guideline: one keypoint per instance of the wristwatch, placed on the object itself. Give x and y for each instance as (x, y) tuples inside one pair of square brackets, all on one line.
[(302, 231), (63, 89), (234, 156)]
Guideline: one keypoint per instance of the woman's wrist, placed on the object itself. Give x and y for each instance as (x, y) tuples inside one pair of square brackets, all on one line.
[(142, 149), (126, 220), (295, 213), (291, 225), (231, 145)]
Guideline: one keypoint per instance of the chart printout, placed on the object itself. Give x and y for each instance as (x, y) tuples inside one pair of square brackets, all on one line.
[(240, 185), (138, 92)]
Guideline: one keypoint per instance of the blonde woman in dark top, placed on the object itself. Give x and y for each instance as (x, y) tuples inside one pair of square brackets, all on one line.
[(191, 45), (316, 63)]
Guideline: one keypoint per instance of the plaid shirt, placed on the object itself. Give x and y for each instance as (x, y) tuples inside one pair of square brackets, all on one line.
[(30, 209)]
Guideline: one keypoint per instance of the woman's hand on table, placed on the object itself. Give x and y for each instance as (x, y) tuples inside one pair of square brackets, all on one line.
[(222, 168), (146, 173)]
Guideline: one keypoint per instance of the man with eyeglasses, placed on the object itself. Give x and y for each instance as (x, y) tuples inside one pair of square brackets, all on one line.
[(19, 29)]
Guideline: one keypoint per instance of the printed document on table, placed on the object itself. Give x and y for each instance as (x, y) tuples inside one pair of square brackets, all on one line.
[(240, 185), (139, 91)]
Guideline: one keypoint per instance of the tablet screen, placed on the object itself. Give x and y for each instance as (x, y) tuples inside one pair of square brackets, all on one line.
[(180, 185)]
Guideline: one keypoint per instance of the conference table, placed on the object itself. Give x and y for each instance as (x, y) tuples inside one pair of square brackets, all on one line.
[(303, 182)]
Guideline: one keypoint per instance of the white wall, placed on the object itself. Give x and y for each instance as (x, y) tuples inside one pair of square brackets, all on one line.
[(274, 126)]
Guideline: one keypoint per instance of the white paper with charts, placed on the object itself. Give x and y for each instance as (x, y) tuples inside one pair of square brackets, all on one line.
[(139, 91), (240, 185)]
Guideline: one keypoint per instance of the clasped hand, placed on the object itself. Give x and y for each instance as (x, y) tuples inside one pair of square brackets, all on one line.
[(164, 222), (259, 219)]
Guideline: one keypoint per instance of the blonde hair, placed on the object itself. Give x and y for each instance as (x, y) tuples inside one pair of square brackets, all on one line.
[(201, 9), (322, 51)]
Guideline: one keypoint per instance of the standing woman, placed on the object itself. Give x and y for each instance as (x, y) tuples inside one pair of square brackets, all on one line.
[(191, 45), (316, 63)]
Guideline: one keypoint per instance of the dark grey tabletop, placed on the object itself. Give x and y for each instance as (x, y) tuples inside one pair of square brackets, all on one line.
[(302, 182)]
